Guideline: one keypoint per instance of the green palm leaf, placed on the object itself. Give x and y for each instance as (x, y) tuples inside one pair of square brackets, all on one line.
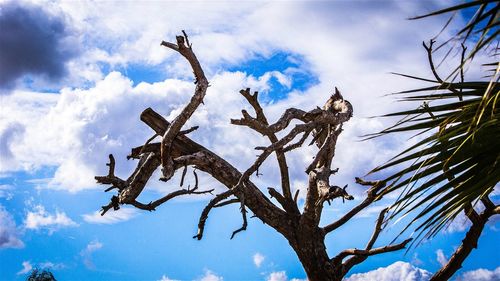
[(455, 164)]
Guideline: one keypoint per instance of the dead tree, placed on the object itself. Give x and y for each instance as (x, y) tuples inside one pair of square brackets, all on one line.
[(300, 227)]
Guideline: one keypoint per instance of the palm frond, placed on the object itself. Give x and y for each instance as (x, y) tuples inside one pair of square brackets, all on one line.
[(457, 162)]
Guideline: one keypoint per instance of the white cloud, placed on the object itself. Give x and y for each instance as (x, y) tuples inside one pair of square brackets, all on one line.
[(440, 257), (80, 126), (459, 224), (39, 218), (112, 217), (480, 274), (277, 276), (27, 267), (9, 234), (51, 265), (165, 278), (415, 260), (86, 253), (397, 271), (6, 191), (210, 276), (258, 259)]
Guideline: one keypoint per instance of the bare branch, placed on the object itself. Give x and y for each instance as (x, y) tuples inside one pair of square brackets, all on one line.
[(296, 196), (361, 255), (377, 229), (227, 202), (433, 68), (282, 200), (257, 124), (375, 251), (370, 197), (207, 209), (115, 204), (191, 153), (244, 217), (468, 243), (137, 181), (115, 181), (176, 125), (192, 129), (152, 205), (184, 171)]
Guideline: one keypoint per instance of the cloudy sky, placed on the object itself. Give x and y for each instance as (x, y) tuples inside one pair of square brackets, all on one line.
[(74, 77)]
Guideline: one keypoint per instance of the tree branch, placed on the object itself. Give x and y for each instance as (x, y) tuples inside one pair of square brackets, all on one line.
[(376, 186), (257, 124), (200, 92), (361, 255), (244, 217), (191, 153), (207, 209), (469, 242)]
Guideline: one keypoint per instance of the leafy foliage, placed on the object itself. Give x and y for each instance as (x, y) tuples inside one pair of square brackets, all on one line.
[(43, 275), (457, 161)]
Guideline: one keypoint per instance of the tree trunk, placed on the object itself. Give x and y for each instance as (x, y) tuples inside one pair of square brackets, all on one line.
[(311, 251)]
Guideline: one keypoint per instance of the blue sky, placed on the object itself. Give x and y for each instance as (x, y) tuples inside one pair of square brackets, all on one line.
[(76, 96)]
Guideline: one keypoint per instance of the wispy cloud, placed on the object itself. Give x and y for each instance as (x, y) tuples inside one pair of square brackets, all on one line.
[(86, 253), (39, 218), (51, 265), (371, 211), (123, 214), (27, 267), (480, 274), (9, 233), (165, 278), (258, 259), (6, 191), (440, 257)]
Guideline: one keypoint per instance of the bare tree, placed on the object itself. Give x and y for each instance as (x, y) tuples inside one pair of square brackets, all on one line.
[(301, 228)]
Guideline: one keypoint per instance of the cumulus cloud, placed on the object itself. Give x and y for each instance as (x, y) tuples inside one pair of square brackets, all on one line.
[(480, 274), (210, 276), (34, 41), (39, 218), (9, 234), (27, 267), (258, 259), (80, 127), (440, 257), (395, 272), (123, 214), (277, 276), (86, 253)]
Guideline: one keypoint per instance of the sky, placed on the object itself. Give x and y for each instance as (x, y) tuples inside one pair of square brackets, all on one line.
[(75, 76)]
